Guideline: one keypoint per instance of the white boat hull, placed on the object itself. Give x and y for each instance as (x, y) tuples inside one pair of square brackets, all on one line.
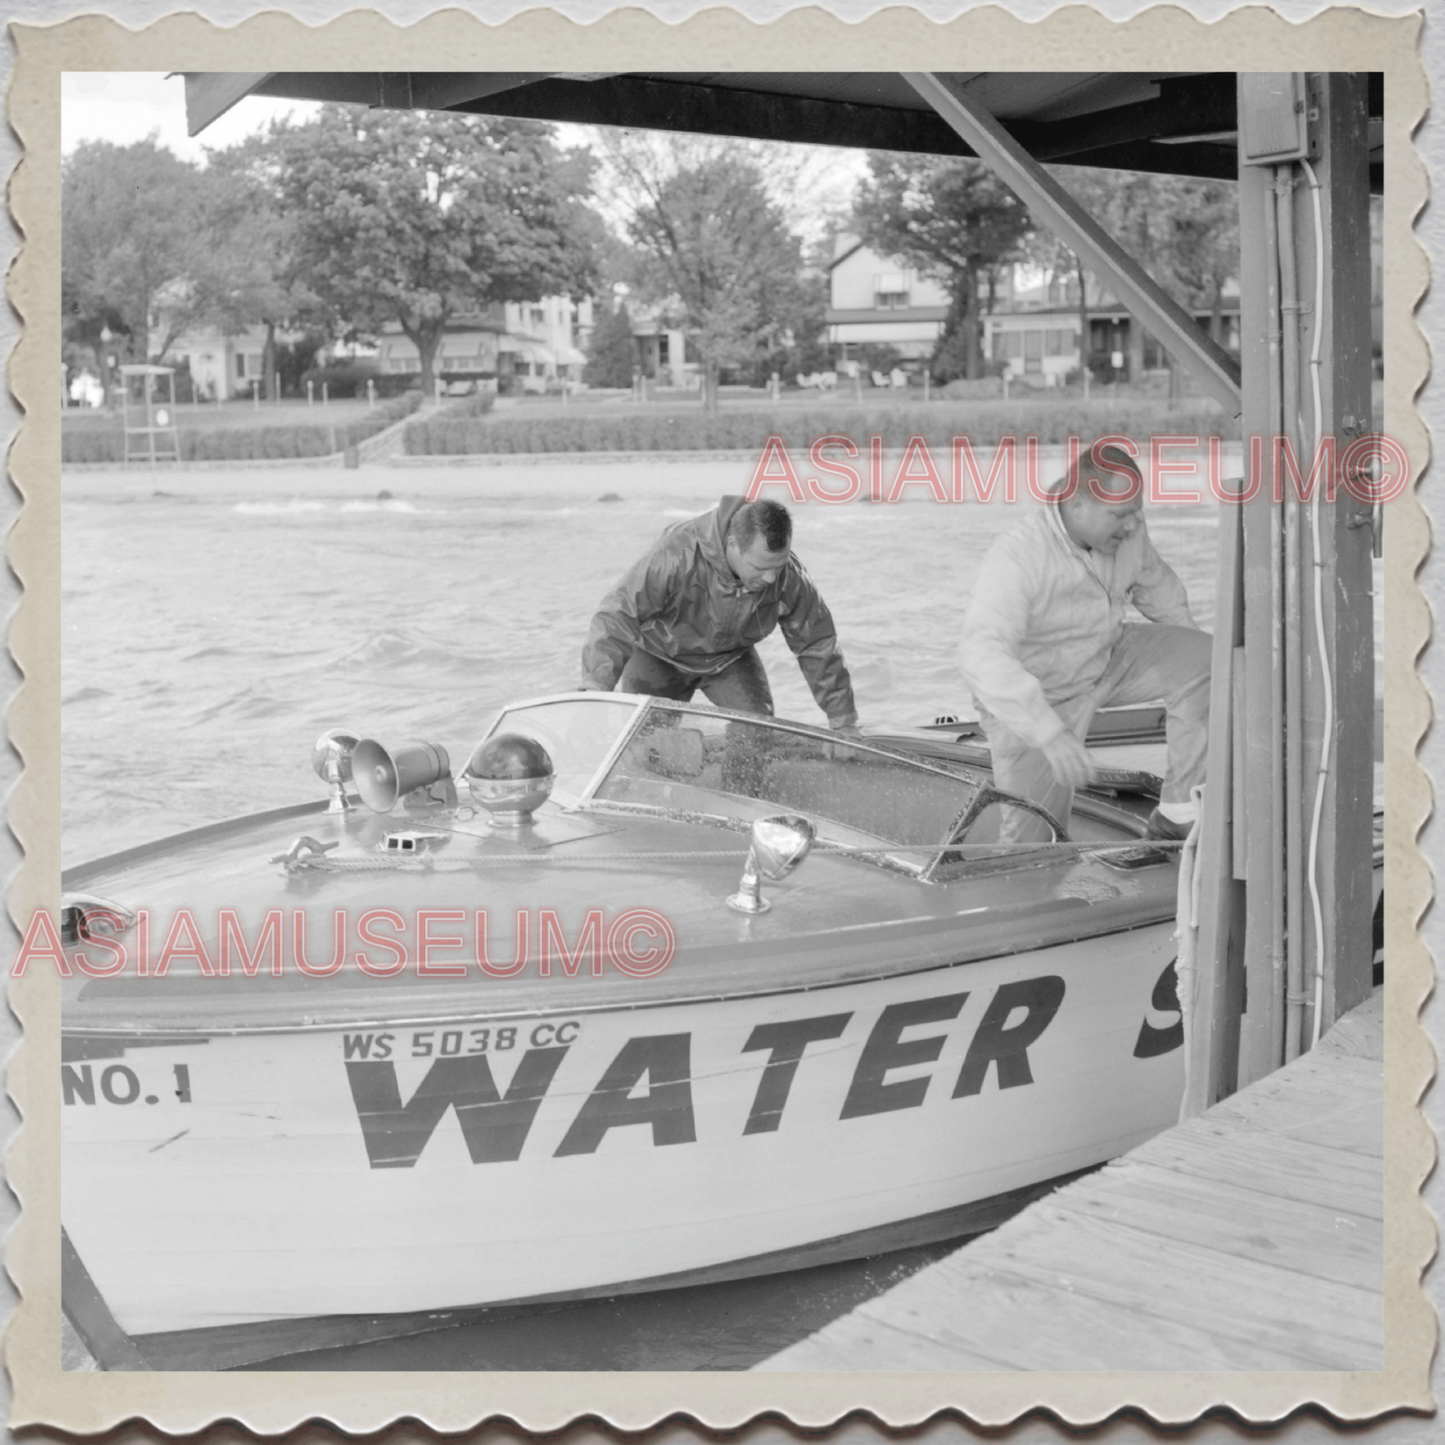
[(294, 1174)]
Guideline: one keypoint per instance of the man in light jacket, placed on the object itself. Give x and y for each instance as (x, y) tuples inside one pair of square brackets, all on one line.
[(690, 613), (1045, 644)]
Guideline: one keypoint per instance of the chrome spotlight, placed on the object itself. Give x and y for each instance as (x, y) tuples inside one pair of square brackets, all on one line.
[(510, 776), (331, 758), (83, 916), (779, 844)]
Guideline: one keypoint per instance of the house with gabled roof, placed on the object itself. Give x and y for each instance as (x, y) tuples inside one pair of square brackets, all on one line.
[(881, 301)]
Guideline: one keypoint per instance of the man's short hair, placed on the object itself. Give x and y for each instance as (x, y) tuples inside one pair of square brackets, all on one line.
[(1090, 459), (768, 520)]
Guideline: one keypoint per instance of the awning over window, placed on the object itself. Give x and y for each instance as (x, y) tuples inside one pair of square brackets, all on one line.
[(527, 350)]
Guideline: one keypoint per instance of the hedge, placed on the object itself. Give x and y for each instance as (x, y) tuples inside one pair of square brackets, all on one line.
[(748, 430), (242, 443)]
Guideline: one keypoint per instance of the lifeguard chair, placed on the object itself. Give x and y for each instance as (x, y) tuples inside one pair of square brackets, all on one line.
[(151, 434)]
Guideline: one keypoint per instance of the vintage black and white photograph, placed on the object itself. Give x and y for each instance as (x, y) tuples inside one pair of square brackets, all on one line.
[(724, 721)]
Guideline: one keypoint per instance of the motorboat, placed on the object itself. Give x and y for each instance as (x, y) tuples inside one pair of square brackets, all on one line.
[(645, 994)]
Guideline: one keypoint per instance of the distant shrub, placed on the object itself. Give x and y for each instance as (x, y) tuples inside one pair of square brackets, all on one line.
[(91, 445), (278, 442), (961, 389), (983, 422), (475, 403), (348, 378)]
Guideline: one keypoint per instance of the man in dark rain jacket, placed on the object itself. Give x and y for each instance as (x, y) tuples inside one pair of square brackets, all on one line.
[(689, 614)]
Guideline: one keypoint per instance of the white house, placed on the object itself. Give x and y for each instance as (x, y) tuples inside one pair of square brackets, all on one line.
[(221, 366), (1033, 325), (1035, 328), (881, 301), (537, 341), (663, 353)]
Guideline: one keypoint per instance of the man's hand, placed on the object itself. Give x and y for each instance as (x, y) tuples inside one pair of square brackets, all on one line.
[(588, 685), (1069, 759)]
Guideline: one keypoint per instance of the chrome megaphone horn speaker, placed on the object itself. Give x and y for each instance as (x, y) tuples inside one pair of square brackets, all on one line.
[(381, 777)]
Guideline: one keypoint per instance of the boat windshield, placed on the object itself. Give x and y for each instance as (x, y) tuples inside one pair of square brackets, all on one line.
[(578, 733), (695, 760)]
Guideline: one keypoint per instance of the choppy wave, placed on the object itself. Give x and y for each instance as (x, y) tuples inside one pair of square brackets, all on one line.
[(381, 504), (278, 509), (397, 649), (85, 694)]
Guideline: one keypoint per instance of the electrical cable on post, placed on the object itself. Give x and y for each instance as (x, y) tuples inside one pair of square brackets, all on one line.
[(1327, 736), (1295, 995), (1278, 974)]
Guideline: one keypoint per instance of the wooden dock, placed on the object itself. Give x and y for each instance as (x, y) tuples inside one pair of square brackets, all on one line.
[(1249, 1238)]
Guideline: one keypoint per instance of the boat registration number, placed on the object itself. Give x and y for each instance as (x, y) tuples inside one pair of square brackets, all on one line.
[(444, 1043)]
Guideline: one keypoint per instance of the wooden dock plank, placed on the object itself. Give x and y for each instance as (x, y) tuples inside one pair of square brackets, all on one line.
[(1337, 1103), (1035, 1317), (1249, 1238), (1281, 1233), (1352, 1184)]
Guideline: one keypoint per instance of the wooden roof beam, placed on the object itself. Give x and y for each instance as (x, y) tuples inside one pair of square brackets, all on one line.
[(211, 93), (1186, 105), (1051, 204), (646, 103)]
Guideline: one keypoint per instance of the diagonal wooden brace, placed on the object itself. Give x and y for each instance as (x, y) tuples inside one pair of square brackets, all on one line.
[(1210, 363)]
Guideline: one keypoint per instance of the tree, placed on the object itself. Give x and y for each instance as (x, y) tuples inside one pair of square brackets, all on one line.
[(1202, 244), (1182, 230), (129, 226), (418, 217), (252, 270), (612, 353), (716, 253), (953, 219)]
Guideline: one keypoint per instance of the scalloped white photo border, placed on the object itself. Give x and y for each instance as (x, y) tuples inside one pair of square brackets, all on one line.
[(1164, 38)]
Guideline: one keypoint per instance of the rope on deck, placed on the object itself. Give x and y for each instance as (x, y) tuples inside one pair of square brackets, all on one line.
[(302, 859)]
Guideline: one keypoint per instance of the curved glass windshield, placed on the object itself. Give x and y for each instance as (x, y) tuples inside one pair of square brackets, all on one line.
[(697, 761), (578, 733)]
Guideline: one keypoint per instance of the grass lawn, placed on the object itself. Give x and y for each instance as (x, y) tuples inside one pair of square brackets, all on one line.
[(230, 414)]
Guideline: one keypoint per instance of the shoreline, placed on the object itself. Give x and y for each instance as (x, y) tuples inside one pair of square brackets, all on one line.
[(627, 476)]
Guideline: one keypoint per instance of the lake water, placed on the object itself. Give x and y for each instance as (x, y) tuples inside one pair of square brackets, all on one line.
[(215, 623)]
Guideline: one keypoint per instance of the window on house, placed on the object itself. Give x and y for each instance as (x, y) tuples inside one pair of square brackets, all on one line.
[(1008, 345), (1060, 343), (1033, 350), (662, 351), (891, 290), (240, 366)]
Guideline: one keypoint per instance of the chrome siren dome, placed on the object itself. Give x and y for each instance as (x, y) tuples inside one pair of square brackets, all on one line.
[(510, 776)]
